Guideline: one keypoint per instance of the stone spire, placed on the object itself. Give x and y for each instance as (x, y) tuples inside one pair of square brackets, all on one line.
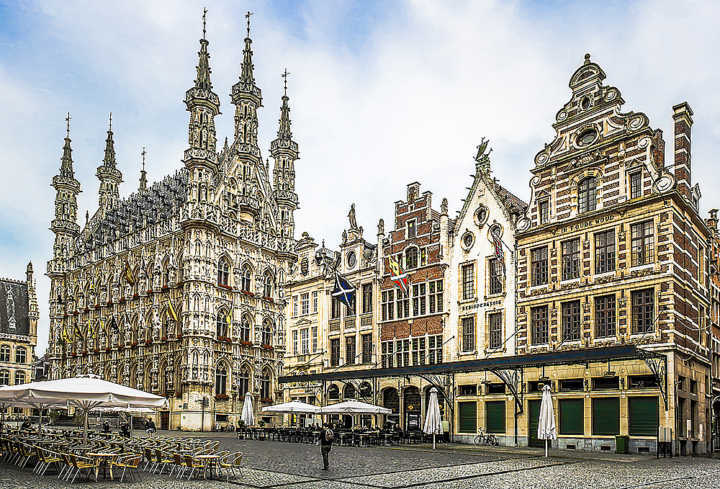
[(143, 173), (284, 152), (64, 225), (247, 98), (203, 105), (108, 174), (66, 162)]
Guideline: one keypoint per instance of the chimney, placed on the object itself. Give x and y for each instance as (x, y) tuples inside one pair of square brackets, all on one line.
[(682, 118)]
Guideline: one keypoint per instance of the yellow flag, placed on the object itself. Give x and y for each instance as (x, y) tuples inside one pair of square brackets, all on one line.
[(128, 274), (229, 317), (171, 309)]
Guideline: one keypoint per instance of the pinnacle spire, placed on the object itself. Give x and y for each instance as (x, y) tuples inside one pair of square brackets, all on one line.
[(284, 132), (203, 68), (143, 173), (66, 162), (109, 159)]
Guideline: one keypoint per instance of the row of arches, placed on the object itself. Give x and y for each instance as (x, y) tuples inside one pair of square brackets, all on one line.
[(246, 273)]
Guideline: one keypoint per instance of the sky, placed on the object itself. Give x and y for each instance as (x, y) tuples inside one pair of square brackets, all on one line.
[(383, 93)]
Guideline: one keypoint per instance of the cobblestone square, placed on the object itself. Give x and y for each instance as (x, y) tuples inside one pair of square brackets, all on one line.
[(269, 464)]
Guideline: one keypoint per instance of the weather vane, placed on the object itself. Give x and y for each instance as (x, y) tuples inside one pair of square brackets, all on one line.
[(247, 16), (285, 77), (204, 19)]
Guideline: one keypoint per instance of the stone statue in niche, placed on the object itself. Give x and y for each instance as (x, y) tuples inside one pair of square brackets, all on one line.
[(10, 308), (381, 226)]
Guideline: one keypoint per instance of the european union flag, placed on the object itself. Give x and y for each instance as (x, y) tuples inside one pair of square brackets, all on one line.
[(344, 291)]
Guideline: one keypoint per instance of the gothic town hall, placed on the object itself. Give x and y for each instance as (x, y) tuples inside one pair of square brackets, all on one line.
[(177, 289)]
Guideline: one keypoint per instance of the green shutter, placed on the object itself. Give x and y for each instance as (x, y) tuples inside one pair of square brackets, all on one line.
[(468, 417), (495, 416), (572, 416), (643, 416), (606, 416), (534, 412)]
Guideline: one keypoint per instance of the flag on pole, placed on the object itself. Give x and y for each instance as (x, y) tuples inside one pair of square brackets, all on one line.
[(228, 318), (65, 334), (497, 242), (128, 274), (343, 290), (171, 309), (397, 276)]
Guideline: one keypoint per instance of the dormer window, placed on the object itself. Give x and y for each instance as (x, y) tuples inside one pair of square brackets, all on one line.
[(587, 195), (411, 258), (544, 211)]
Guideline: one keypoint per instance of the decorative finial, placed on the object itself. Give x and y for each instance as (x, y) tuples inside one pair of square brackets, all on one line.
[(247, 16), (143, 158), (285, 77), (110, 125), (204, 19), (67, 120), (587, 58)]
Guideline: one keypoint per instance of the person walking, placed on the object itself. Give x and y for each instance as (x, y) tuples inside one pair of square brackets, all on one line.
[(326, 440)]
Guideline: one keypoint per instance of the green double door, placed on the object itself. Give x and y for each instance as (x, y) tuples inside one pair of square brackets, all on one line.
[(534, 416)]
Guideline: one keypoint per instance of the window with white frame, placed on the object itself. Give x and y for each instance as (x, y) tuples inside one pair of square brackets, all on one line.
[(295, 342), (435, 347), (435, 296), (402, 353), (468, 281), (419, 352), (402, 305), (304, 341), (314, 301), (314, 335), (305, 303), (419, 299), (295, 306), (388, 302), (387, 353), (468, 334)]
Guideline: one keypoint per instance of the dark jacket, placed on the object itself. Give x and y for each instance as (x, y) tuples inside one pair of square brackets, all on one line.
[(323, 439)]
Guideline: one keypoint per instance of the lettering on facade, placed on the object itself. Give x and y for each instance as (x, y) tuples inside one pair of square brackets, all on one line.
[(479, 305), (586, 224)]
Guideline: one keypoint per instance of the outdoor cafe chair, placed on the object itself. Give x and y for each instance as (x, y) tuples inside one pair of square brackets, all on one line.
[(194, 465), (179, 465), (162, 461), (126, 462), (229, 463), (83, 464)]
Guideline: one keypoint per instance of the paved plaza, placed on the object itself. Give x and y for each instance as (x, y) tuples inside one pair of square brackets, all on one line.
[(270, 464)]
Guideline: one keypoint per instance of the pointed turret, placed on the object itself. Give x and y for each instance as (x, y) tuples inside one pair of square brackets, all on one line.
[(64, 225), (247, 98), (143, 173), (203, 105), (284, 152), (108, 174)]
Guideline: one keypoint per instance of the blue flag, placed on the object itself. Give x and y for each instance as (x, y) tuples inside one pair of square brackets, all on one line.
[(343, 290)]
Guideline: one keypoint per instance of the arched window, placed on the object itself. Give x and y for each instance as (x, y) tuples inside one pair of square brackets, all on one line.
[(222, 324), (19, 377), (411, 258), (349, 392), (243, 381), (586, 195), (245, 332), (221, 380), (267, 332), (267, 285), (223, 272), (4, 353), (4, 377), (246, 278), (333, 392), (265, 384)]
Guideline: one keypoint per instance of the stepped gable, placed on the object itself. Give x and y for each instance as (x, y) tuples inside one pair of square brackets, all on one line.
[(14, 307), (158, 203)]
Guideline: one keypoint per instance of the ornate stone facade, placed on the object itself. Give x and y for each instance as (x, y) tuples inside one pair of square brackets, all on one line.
[(18, 331), (178, 288)]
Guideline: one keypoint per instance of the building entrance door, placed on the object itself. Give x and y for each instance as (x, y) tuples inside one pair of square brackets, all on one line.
[(534, 416), (164, 420)]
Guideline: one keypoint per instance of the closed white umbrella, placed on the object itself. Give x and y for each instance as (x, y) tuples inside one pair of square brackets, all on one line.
[(247, 415), (85, 393), (546, 421), (433, 421)]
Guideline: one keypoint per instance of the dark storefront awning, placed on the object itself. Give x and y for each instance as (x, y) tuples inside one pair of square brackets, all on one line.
[(569, 357)]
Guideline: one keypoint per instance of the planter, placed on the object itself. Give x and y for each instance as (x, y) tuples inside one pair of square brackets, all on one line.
[(267, 347), (222, 397)]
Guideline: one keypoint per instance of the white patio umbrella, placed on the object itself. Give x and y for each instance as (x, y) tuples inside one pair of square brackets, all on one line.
[(85, 393), (247, 415), (292, 407), (433, 421), (354, 407), (546, 421)]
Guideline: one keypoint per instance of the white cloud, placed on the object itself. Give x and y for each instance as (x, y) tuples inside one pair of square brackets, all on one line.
[(374, 107)]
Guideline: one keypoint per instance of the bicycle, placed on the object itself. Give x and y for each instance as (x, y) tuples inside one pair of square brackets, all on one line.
[(485, 439)]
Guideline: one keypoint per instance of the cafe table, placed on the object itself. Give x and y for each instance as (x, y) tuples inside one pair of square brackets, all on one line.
[(105, 459), (211, 461)]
